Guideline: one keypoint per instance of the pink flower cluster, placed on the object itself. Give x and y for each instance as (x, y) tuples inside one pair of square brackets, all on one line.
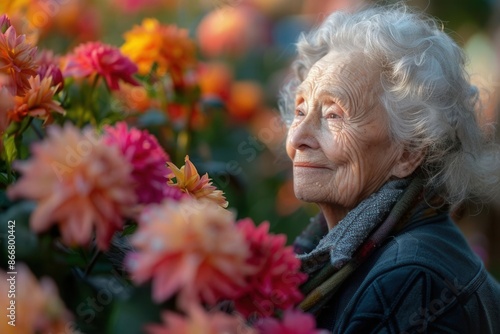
[(96, 58), (195, 251), (83, 182)]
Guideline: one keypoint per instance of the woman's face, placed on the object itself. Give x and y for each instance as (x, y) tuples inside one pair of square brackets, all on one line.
[(339, 140)]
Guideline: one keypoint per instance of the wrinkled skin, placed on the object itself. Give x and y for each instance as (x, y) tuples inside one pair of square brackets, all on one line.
[(339, 140)]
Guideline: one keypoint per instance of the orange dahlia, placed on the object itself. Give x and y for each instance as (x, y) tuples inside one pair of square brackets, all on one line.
[(192, 248), (199, 321), (6, 103), (78, 183), (38, 101), (167, 46), (17, 60), (189, 181), (38, 307)]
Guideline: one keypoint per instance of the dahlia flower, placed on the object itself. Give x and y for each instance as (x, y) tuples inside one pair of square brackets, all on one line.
[(4, 23), (275, 283), (192, 248), (6, 103), (147, 157), (37, 102), (167, 46), (78, 183), (38, 307), (49, 67), (188, 181), (293, 322), (96, 58), (17, 60), (199, 321)]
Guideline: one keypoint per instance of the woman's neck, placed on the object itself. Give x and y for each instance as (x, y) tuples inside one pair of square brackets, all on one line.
[(333, 213)]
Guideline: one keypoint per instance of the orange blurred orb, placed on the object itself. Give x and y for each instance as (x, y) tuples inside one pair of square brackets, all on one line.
[(246, 98)]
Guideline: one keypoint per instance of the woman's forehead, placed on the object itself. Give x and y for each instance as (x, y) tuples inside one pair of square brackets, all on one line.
[(336, 69)]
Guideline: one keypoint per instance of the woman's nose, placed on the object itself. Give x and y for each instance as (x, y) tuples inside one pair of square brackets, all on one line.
[(304, 135)]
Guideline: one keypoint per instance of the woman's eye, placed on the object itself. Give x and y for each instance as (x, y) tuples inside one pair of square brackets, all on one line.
[(299, 112), (332, 116)]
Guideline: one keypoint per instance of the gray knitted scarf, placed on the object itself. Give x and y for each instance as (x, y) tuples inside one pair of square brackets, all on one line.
[(340, 243)]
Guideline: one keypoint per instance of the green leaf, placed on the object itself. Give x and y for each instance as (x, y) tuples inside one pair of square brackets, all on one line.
[(9, 143)]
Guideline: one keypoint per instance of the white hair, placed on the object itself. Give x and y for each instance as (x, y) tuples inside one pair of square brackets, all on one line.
[(425, 91)]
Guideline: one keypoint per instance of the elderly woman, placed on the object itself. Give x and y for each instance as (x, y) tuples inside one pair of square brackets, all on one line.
[(383, 137)]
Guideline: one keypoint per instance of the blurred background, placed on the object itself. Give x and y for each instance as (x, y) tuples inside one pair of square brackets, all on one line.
[(243, 50)]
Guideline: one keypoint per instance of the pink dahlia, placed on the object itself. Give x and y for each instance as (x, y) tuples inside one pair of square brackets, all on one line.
[(199, 321), (148, 159), (4, 23), (191, 247), (96, 58), (293, 322), (48, 66), (275, 283), (78, 183)]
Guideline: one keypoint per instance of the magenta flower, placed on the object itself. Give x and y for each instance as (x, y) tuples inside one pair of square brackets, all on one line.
[(96, 58), (48, 66), (275, 283), (4, 23), (293, 322), (148, 159)]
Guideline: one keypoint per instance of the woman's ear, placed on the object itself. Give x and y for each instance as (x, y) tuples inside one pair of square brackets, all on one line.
[(407, 163)]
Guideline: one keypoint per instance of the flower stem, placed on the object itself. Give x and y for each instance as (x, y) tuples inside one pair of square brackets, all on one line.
[(92, 263)]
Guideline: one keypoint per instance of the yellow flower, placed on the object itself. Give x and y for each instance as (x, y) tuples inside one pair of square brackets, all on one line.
[(189, 181), (167, 46)]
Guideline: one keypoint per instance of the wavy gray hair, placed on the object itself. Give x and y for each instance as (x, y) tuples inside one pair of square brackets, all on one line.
[(425, 90)]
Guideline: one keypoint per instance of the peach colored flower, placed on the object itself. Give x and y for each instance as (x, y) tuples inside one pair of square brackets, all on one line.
[(96, 58), (6, 103), (148, 160), (188, 181), (17, 60), (78, 183), (293, 322), (275, 284), (165, 46), (215, 80), (37, 102), (38, 307), (135, 99), (198, 321), (192, 248), (229, 31), (245, 100)]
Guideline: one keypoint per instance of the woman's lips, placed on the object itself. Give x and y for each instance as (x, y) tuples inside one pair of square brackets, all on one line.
[(307, 165)]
